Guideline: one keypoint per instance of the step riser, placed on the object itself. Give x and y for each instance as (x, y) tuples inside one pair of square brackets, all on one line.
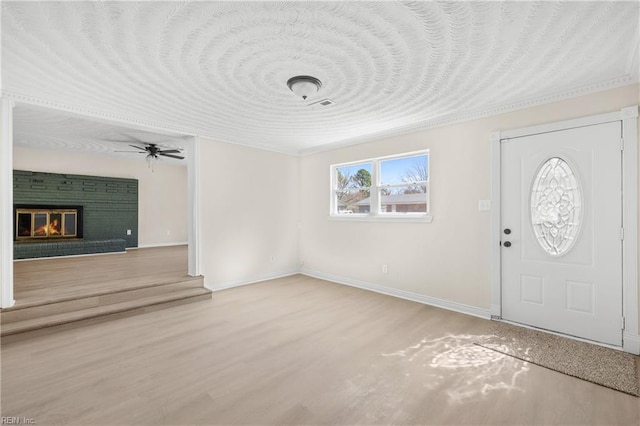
[(14, 315), (67, 317), (24, 334)]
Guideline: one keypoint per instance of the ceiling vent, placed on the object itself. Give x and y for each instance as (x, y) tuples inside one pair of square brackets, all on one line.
[(322, 103)]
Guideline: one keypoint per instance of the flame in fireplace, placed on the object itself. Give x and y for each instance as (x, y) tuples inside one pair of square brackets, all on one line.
[(53, 227)]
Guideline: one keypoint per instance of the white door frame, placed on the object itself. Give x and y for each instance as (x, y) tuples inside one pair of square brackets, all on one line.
[(629, 118)]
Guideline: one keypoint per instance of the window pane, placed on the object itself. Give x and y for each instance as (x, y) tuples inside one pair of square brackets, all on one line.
[(353, 176), (404, 170), (69, 224), (353, 201), (24, 224), (40, 225), (55, 224), (556, 206), (404, 199)]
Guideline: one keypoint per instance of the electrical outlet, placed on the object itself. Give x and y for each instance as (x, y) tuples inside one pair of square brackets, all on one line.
[(128, 231), (385, 269), (484, 205), (273, 259)]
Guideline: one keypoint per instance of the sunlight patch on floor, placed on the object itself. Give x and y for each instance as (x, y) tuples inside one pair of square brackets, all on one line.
[(463, 370)]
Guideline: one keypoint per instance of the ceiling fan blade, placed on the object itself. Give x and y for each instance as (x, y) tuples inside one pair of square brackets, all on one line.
[(170, 151), (137, 147), (172, 156), (133, 152)]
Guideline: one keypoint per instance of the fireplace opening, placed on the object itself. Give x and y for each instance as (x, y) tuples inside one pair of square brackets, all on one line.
[(44, 222)]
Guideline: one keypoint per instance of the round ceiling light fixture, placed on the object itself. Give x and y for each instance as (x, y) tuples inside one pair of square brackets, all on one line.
[(304, 85)]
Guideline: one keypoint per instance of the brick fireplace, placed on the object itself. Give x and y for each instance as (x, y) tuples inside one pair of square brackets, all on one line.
[(64, 214)]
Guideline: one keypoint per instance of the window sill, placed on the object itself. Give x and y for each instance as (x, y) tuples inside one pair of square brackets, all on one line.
[(417, 218)]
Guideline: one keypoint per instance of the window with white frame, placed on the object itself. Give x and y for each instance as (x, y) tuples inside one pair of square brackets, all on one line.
[(395, 186)]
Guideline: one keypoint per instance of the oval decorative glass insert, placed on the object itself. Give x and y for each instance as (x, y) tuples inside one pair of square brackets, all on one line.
[(556, 206)]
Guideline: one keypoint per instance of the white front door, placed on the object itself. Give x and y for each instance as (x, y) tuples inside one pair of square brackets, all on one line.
[(561, 225)]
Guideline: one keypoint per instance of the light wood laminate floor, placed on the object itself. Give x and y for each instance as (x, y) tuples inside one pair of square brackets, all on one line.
[(295, 350), (50, 279)]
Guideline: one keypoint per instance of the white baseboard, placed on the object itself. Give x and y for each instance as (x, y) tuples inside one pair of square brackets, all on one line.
[(252, 280), (631, 343), (160, 245), (427, 300)]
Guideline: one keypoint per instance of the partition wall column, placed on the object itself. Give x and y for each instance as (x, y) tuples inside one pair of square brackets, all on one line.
[(193, 201), (6, 203)]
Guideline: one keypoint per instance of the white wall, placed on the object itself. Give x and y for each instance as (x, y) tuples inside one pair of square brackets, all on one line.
[(162, 195), (448, 259), (248, 213)]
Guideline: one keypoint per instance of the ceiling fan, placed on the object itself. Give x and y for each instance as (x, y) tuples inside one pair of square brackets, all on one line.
[(153, 151)]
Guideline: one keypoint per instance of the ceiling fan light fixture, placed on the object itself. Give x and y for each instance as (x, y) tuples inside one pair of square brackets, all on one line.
[(304, 85), (151, 160)]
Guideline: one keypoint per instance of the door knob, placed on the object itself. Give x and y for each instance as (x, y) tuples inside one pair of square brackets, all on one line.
[(507, 244), (507, 231)]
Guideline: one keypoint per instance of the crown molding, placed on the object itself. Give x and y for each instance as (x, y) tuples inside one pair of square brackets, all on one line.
[(633, 69)]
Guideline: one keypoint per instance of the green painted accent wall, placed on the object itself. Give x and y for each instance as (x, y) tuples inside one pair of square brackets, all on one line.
[(110, 204)]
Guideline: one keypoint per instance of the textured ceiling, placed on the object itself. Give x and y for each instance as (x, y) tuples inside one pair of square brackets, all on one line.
[(36, 127), (219, 69)]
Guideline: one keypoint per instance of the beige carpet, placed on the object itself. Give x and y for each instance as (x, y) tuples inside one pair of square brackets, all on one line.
[(604, 366)]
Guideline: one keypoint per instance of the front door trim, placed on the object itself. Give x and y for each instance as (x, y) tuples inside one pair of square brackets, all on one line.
[(629, 118)]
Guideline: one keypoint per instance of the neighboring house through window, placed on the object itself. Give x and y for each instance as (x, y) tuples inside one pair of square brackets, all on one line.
[(395, 186)]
